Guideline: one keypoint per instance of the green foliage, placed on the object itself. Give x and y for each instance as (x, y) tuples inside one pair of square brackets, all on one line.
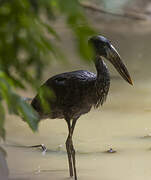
[(44, 96), (26, 40), (27, 113), (16, 105), (78, 23)]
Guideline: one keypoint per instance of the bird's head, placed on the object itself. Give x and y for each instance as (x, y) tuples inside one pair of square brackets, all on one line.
[(104, 48)]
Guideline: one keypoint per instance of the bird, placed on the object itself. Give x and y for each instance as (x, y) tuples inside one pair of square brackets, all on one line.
[(73, 94)]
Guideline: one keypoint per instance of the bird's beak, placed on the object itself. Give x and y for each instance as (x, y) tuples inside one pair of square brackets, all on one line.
[(113, 56)]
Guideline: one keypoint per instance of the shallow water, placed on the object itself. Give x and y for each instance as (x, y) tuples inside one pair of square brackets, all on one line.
[(123, 123)]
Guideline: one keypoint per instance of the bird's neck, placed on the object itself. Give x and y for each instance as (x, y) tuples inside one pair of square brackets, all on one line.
[(102, 71), (102, 82)]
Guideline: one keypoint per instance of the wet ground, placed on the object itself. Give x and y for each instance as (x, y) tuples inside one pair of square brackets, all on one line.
[(123, 124)]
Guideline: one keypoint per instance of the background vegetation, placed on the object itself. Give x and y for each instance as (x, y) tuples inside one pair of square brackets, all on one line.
[(29, 41), (27, 37)]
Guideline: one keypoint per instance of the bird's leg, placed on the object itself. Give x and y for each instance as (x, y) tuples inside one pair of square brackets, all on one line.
[(72, 148), (68, 147)]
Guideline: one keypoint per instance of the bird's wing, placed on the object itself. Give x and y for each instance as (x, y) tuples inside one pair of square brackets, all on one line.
[(69, 89), (64, 78), (70, 82)]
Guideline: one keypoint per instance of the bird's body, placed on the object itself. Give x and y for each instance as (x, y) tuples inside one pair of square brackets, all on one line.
[(75, 93)]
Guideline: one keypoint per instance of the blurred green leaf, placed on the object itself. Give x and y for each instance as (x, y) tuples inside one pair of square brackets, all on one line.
[(28, 38), (45, 95), (51, 30), (16, 105), (28, 114)]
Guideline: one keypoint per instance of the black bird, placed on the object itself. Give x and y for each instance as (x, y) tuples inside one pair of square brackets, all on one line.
[(78, 91)]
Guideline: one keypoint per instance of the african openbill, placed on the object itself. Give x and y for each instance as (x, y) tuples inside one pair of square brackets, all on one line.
[(78, 91)]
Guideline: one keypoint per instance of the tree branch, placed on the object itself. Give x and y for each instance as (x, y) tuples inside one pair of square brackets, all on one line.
[(133, 16)]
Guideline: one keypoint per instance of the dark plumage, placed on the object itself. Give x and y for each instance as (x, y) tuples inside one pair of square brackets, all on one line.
[(75, 93)]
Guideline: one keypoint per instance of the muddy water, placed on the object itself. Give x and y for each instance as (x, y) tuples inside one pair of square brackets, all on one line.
[(123, 124)]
